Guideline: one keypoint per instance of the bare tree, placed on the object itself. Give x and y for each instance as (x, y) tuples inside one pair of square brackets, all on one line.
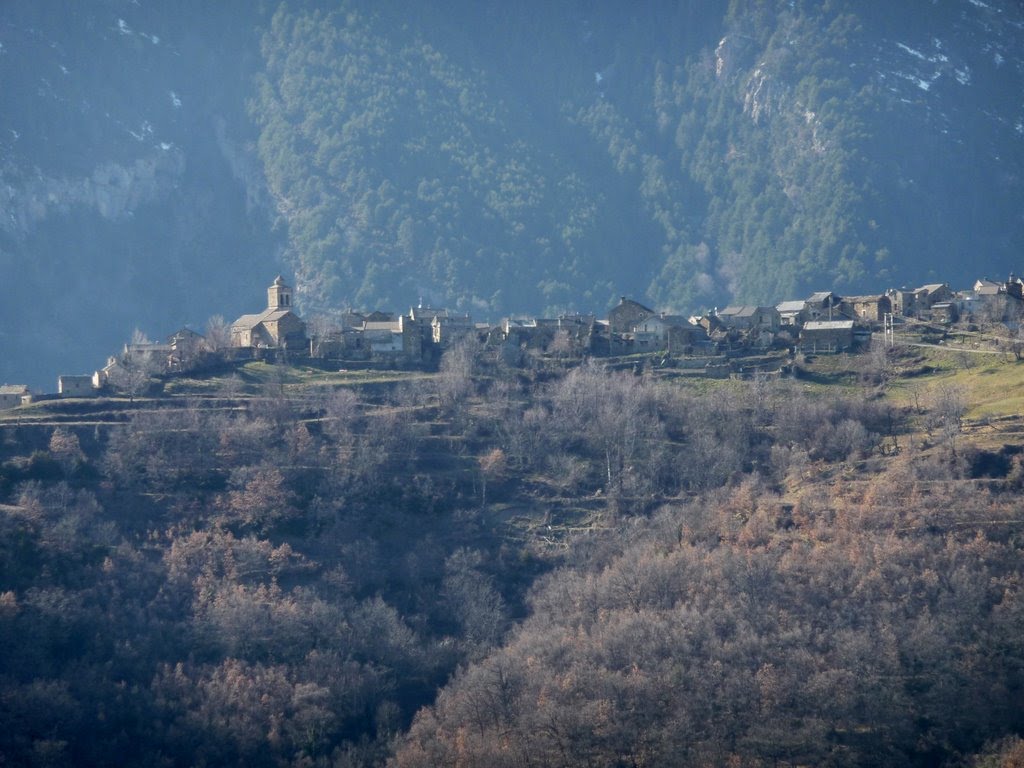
[(613, 415), (492, 464), (561, 344), (218, 334), (321, 327), (458, 365), (67, 450), (949, 404), (134, 367)]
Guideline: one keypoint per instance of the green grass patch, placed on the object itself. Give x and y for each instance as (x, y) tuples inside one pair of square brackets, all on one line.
[(260, 378), (992, 385)]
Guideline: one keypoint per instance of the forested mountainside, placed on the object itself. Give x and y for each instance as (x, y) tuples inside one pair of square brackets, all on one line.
[(690, 153), (553, 565), (496, 158), (127, 196)]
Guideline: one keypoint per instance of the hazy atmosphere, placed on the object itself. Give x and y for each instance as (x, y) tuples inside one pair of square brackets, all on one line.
[(160, 160), (495, 385)]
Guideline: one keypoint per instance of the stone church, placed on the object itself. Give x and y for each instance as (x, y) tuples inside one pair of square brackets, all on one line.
[(276, 327)]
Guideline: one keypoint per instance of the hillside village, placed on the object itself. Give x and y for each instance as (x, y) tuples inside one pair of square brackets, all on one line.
[(718, 343)]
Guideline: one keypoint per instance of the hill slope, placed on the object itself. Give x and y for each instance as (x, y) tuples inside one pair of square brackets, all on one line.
[(282, 566)]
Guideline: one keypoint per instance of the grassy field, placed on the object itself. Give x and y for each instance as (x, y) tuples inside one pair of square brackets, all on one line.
[(259, 378), (992, 386)]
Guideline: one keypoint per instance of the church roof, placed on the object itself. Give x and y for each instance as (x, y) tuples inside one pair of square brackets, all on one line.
[(267, 315)]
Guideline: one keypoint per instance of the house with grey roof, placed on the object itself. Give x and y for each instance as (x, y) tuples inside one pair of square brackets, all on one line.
[(674, 333), (822, 305), (749, 317), (822, 336), (791, 313), (929, 295), (625, 316), (867, 309), (12, 395), (76, 386)]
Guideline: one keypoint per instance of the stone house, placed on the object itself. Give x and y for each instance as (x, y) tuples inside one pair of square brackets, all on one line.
[(711, 324), (625, 316), (153, 356), (602, 341), (822, 305), (383, 338), (903, 301), (186, 347), (418, 330), (75, 386), (749, 317), (1013, 286), (822, 336), (927, 296), (573, 333), (986, 287), (528, 333), (867, 309), (447, 328), (669, 332), (276, 327), (945, 312), (11, 395), (791, 313)]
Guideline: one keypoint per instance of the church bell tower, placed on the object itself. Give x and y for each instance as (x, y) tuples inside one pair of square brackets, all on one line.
[(279, 295)]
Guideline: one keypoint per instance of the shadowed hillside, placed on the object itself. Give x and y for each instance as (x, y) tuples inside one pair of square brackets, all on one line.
[(558, 564)]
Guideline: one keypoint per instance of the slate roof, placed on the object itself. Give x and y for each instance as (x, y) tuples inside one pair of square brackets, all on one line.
[(828, 325), (738, 311), (786, 307), (864, 299), (820, 297), (393, 325), (251, 321), (624, 301)]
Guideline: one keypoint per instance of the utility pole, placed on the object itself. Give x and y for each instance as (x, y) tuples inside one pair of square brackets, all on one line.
[(889, 332)]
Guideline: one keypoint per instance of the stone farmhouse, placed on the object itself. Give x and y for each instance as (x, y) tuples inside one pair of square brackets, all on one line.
[(75, 386), (624, 317), (822, 305), (13, 395), (672, 333), (749, 318), (826, 336), (791, 313), (866, 309)]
